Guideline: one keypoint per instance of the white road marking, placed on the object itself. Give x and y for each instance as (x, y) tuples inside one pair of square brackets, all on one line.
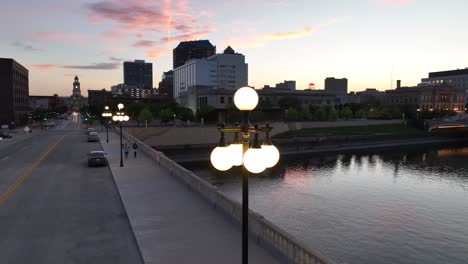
[(4, 158)]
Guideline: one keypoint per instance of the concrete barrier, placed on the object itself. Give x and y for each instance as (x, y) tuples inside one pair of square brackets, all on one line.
[(276, 240)]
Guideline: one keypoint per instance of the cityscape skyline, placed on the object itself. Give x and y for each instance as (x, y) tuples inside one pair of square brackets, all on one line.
[(391, 39)]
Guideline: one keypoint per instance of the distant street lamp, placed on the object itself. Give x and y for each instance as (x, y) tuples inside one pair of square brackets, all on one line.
[(254, 159), (106, 116), (417, 113), (120, 117)]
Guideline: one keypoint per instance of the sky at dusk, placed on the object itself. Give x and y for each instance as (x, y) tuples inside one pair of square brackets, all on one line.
[(366, 41)]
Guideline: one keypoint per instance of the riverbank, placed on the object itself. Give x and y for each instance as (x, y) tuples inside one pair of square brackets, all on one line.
[(197, 153)]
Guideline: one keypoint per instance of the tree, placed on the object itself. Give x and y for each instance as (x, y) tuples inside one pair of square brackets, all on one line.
[(166, 114), (145, 115), (321, 114), (134, 108), (332, 114), (185, 113), (204, 112), (346, 113), (292, 114)]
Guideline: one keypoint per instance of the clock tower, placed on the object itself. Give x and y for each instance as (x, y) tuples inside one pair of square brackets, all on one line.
[(76, 98)]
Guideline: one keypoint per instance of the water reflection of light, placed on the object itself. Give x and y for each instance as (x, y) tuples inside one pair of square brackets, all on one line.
[(294, 177), (452, 152)]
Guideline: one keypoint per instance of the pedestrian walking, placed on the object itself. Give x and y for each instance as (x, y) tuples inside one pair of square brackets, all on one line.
[(135, 147), (126, 150)]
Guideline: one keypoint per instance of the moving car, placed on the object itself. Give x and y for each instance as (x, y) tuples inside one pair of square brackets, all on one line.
[(97, 158), (93, 136)]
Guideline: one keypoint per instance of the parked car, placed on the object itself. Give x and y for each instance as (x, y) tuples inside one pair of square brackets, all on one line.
[(93, 136), (97, 158), (5, 134)]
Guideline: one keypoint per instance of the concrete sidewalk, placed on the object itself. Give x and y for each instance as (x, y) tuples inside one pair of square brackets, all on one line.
[(171, 223)]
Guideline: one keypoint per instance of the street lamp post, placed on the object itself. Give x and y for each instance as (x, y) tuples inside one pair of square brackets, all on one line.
[(253, 158), (417, 113), (120, 117), (106, 116)]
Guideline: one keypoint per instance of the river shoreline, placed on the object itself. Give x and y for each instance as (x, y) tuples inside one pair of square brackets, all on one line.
[(188, 154)]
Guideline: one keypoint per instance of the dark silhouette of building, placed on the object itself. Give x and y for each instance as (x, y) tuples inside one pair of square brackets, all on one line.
[(14, 93), (166, 85), (187, 50), (138, 74), (98, 97), (337, 87)]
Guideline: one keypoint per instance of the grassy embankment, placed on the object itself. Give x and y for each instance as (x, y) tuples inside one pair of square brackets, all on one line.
[(391, 129)]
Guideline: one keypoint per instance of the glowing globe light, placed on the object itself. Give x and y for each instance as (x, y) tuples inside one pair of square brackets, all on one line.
[(271, 155), (246, 99), (126, 118), (235, 154), (254, 160), (115, 118), (220, 158)]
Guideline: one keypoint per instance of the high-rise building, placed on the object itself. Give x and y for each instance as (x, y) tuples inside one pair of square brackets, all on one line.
[(14, 93), (187, 50), (337, 87), (166, 86), (138, 73), (220, 71)]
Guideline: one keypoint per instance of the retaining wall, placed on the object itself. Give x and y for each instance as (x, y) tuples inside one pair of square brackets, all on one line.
[(272, 237)]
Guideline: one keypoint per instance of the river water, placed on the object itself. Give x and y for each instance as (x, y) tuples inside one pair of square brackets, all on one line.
[(388, 207)]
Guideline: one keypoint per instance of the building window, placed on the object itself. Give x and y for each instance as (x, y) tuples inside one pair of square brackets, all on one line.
[(221, 100), (230, 100)]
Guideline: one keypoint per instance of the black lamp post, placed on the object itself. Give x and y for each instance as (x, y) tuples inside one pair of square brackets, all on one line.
[(106, 116), (120, 117), (253, 158)]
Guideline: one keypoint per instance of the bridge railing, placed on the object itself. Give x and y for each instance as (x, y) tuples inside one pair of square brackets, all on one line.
[(273, 238)]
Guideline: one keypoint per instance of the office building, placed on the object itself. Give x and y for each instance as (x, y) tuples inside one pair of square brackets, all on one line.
[(188, 50), (14, 93), (428, 97), (166, 85), (287, 85), (220, 71), (138, 74), (457, 78), (337, 87)]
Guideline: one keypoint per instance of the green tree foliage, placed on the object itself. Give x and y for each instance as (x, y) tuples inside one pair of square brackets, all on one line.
[(346, 113), (145, 115), (185, 114), (205, 112), (321, 114), (166, 115), (292, 114), (361, 113), (264, 104), (133, 109), (332, 114)]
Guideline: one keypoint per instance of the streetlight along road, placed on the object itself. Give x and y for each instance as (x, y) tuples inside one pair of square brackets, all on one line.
[(255, 158)]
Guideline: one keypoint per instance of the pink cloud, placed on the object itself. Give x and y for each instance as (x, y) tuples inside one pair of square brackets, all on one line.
[(258, 40), (45, 67), (138, 18), (144, 44), (155, 53)]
